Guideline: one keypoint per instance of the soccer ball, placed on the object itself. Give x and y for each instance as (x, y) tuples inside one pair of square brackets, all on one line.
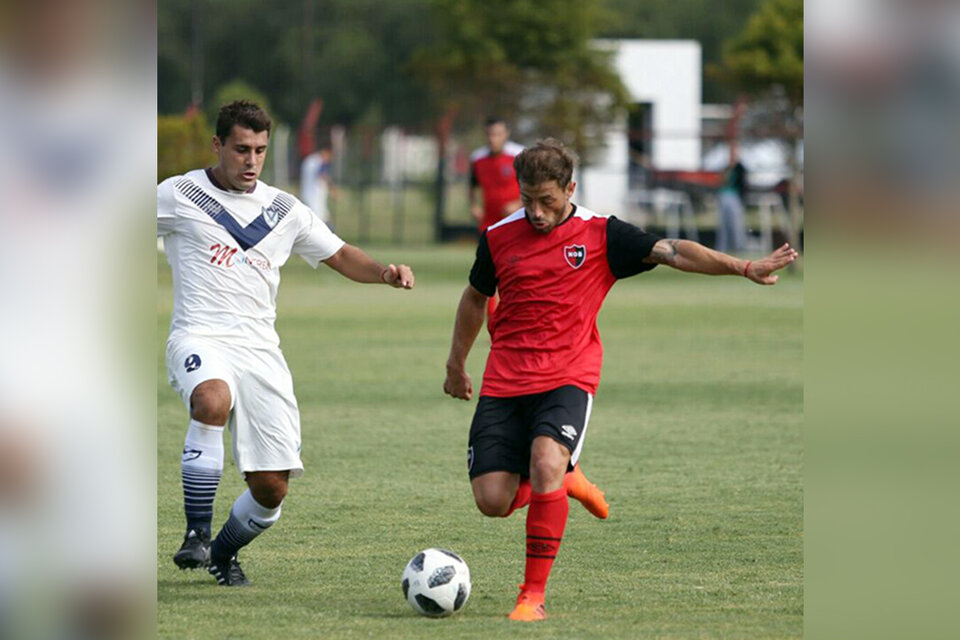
[(436, 582)]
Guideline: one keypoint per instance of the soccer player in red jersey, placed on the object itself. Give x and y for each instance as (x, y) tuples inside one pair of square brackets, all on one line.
[(491, 172), (552, 264)]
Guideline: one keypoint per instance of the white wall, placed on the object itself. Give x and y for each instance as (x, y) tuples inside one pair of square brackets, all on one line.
[(406, 156), (668, 74)]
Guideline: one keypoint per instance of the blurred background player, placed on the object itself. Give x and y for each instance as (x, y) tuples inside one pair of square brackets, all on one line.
[(316, 184), (553, 264), (732, 230), (226, 235), (492, 174)]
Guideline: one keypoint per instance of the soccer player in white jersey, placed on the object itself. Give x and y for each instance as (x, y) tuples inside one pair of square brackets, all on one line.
[(226, 234)]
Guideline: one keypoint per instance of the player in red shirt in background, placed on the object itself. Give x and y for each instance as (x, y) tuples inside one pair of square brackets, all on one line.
[(552, 263), (491, 172)]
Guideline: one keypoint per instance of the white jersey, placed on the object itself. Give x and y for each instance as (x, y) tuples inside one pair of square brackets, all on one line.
[(226, 249), (310, 182)]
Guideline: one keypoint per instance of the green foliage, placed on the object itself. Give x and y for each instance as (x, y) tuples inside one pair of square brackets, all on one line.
[(531, 58), (235, 90), (358, 54), (183, 143), (696, 437), (350, 53), (768, 52), (709, 22)]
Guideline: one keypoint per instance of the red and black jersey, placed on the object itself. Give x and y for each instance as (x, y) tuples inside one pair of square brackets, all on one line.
[(544, 332), (494, 174)]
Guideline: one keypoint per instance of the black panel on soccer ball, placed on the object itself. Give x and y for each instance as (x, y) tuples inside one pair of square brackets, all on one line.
[(441, 575), (461, 597), (417, 562), (429, 606), (451, 554), (406, 587)]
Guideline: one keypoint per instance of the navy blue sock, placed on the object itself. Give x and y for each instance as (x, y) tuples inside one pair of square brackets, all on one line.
[(201, 467), (247, 520), (199, 490)]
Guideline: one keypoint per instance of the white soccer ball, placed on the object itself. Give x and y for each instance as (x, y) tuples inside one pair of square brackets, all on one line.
[(436, 582)]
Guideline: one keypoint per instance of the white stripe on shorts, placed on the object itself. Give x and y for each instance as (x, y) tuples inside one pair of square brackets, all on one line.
[(583, 433)]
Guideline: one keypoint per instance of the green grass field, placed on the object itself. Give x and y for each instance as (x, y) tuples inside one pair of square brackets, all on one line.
[(695, 437)]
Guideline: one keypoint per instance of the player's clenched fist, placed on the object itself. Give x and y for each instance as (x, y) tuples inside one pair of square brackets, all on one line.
[(400, 277), (458, 384)]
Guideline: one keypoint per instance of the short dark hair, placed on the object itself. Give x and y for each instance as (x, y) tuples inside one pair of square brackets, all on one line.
[(244, 113), (492, 120), (547, 160)]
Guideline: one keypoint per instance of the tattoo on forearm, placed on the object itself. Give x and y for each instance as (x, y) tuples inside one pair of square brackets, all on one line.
[(665, 251)]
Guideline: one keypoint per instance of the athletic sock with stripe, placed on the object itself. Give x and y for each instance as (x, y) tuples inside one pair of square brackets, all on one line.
[(546, 520), (248, 519), (201, 467)]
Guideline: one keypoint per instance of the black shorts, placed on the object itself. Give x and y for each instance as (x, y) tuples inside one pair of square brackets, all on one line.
[(503, 429)]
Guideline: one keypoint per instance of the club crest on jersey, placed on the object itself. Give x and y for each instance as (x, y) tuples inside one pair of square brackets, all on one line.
[(271, 215), (575, 254)]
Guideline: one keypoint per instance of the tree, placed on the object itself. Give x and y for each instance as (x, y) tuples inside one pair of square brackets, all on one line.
[(183, 143), (768, 52), (709, 22), (530, 60), (766, 62), (231, 91), (523, 58), (350, 53)]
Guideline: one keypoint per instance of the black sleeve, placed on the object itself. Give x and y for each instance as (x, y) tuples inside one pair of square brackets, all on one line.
[(627, 246), (483, 276)]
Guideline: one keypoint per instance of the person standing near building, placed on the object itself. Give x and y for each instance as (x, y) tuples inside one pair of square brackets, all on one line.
[(731, 230)]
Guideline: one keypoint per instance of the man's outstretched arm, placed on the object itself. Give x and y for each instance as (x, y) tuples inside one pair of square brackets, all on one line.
[(470, 312), (687, 255), (353, 263)]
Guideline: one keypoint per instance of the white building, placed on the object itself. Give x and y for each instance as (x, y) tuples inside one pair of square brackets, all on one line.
[(663, 78)]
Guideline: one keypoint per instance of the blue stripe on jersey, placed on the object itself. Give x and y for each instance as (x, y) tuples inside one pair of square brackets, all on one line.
[(249, 235)]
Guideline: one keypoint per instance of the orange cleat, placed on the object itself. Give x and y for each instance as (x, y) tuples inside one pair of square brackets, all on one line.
[(529, 607), (586, 492)]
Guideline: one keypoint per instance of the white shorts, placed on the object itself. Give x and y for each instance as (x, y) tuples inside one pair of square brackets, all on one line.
[(264, 416)]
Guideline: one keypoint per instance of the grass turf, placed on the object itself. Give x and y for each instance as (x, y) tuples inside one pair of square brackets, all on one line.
[(695, 437)]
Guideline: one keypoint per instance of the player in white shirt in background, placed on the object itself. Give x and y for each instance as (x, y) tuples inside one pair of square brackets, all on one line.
[(226, 234), (315, 184)]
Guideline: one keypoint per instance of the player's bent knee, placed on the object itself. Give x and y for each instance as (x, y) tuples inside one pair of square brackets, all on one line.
[(268, 488), (548, 467), (493, 508), (210, 403), (270, 497), (493, 501)]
